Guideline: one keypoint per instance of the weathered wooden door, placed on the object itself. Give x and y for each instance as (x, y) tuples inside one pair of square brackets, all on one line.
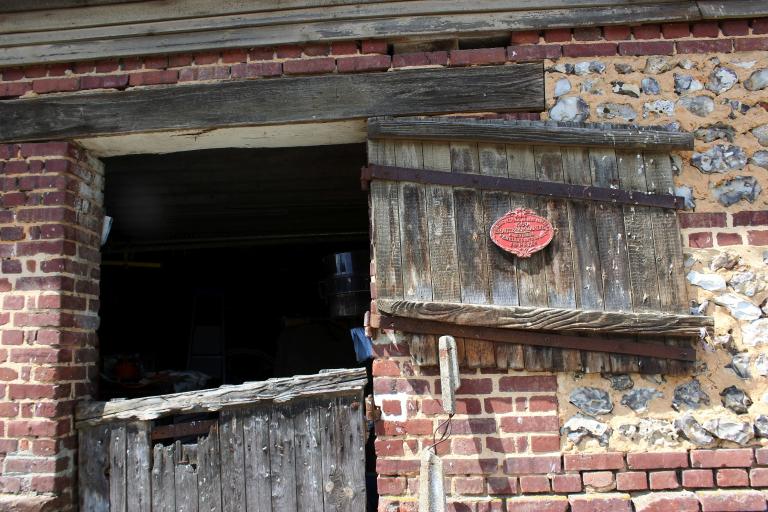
[(607, 294), (294, 444)]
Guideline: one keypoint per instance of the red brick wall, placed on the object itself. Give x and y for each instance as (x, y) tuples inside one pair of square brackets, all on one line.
[(50, 225)]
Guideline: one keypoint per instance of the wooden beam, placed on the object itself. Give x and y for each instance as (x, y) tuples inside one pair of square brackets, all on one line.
[(723, 9), (37, 5), (613, 345), (390, 20), (531, 132), (548, 319), (275, 101), (332, 382)]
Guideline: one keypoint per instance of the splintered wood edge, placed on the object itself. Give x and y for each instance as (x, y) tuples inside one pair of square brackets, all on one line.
[(548, 319), (280, 390), (536, 132)]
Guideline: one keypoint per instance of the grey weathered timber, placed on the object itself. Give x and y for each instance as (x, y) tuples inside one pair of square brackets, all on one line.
[(471, 244), (441, 220), (36, 5), (138, 487), (211, 400), (308, 454), (548, 319), (533, 132), (209, 471), (376, 20), (281, 100), (282, 459), (232, 460), (187, 491), (258, 492), (414, 238), (117, 469), (93, 457), (163, 479), (341, 434)]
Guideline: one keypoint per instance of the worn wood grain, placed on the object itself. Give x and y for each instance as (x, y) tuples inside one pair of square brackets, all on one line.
[(232, 460), (479, 353), (510, 356), (281, 455), (393, 21), (548, 319), (385, 222), (471, 241), (187, 492), (163, 479), (93, 468), (501, 265), (284, 100), (257, 450), (536, 132), (423, 348), (414, 237), (137, 467), (342, 435), (117, 469), (211, 400), (209, 471), (308, 455), (441, 221)]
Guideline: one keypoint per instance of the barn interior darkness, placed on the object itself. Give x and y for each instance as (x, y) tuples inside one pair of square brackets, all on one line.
[(219, 267)]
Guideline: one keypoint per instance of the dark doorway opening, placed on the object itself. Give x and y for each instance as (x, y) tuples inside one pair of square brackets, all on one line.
[(216, 269)]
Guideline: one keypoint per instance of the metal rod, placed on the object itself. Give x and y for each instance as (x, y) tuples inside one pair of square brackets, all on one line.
[(589, 343), (540, 188)]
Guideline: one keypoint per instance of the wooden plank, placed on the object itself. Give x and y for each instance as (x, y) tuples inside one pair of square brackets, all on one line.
[(211, 400), (441, 220), (281, 455), (308, 454), (385, 226), (501, 264), (480, 353), (531, 274), (719, 9), (257, 459), (209, 471), (581, 216), (639, 233), (617, 344), (471, 244), (536, 132), (93, 468), (611, 238), (187, 492), (341, 433), (117, 469), (414, 237), (245, 31), (670, 268), (284, 100), (423, 348), (510, 356), (37, 5), (640, 250), (558, 254), (166, 10), (176, 430), (232, 460), (163, 479), (548, 319), (138, 486)]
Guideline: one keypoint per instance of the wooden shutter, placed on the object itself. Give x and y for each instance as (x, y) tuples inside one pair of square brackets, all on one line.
[(607, 294)]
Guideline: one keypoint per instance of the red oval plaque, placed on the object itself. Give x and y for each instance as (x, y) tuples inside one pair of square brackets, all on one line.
[(522, 232)]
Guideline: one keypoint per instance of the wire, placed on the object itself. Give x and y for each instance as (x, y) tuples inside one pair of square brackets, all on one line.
[(445, 435)]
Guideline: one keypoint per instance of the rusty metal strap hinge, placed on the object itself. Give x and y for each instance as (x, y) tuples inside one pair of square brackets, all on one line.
[(611, 345), (540, 188)]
